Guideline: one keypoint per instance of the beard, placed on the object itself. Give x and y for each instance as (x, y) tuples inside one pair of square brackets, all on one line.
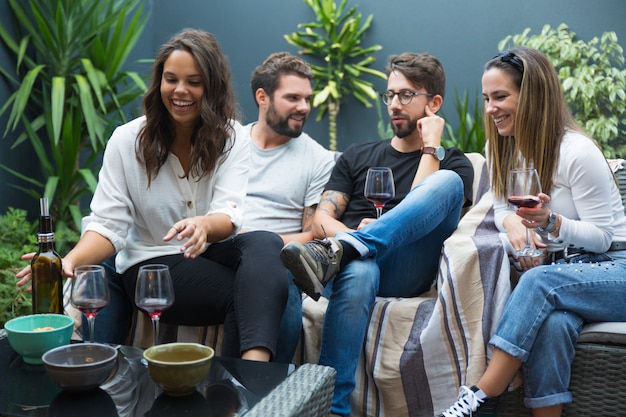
[(280, 124), (404, 130)]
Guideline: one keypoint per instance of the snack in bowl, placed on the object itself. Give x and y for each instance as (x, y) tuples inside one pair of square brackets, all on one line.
[(32, 335), (178, 367), (81, 366)]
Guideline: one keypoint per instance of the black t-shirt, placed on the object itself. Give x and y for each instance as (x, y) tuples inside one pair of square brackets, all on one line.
[(350, 171)]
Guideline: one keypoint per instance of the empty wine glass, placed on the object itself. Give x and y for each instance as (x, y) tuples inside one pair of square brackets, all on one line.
[(90, 292), (154, 293), (379, 187), (523, 188)]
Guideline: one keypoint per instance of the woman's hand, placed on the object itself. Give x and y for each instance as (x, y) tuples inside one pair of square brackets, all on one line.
[(516, 225), (25, 275), (195, 230)]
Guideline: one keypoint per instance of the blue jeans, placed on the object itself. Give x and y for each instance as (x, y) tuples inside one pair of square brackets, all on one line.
[(545, 313), (399, 257)]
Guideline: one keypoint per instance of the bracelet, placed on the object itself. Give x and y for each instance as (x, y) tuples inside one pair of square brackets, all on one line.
[(551, 223)]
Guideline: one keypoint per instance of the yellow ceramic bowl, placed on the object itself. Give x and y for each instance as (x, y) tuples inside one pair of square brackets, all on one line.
[(179, 367)]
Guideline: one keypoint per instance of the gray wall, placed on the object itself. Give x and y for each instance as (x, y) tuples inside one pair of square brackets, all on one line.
[(462, 34)]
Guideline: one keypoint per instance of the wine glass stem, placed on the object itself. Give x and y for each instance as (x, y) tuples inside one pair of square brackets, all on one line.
[(379, 212), (91, 320), (527, 239), (155, 327)]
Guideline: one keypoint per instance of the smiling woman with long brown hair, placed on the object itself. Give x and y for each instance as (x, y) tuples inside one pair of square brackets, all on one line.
[(171, 191), (579, 221)]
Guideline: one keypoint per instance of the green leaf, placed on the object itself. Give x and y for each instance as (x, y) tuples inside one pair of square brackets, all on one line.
[(57, 105), (22, 96)]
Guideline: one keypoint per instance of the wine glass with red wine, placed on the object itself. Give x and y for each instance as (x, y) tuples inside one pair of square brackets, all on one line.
[(90, 292), (379, 187), (154, 293), (523, 188)]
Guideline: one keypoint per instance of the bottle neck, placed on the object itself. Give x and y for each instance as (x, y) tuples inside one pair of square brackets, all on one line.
[(45, 224)]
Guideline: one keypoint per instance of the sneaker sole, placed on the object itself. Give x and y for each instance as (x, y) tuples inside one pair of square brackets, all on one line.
[(303, 276)]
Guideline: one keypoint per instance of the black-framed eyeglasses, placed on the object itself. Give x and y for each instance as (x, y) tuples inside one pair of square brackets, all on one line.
[(405, 96)]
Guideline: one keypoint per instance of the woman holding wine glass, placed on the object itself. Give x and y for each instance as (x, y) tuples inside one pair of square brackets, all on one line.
[(579, 220), (171, 191)]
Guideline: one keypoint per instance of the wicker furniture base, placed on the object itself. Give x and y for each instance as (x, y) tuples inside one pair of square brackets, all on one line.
[(597, 384), (308, 392)]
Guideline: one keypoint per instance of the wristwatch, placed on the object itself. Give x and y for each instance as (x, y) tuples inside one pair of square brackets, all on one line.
[(551, 223), (439, 152)]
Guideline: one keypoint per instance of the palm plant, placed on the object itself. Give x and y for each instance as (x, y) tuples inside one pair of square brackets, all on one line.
[(70, 90), (335, 38)]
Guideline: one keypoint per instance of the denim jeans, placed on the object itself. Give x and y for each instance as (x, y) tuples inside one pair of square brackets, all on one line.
[(545, 313), (399, 257)]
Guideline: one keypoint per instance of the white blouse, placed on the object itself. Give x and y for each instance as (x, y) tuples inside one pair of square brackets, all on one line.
[(585, 194), (135, 218)]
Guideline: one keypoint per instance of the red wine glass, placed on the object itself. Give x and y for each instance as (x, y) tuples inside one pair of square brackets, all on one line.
[(90, 292), (154, 293), (523, 188), (379, 187)]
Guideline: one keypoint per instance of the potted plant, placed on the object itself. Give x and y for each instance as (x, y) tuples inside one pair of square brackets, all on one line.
[(335, 38), (70, 90), (593, 78)]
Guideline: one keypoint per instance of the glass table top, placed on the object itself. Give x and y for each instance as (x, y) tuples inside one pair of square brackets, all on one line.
[(232, 387)]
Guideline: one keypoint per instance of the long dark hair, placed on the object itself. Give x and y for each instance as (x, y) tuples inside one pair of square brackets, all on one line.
[(218, 108)]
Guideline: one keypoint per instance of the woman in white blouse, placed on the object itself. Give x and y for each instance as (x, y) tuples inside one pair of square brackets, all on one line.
[(171, 191)]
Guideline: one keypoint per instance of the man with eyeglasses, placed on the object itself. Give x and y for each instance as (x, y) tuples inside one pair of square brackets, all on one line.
[(397, 255)]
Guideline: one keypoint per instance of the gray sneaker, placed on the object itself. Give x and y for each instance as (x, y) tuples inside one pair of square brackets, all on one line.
[(313, 263)]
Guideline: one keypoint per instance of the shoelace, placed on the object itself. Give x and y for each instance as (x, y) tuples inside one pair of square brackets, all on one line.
[(465, 405), (321, 249)]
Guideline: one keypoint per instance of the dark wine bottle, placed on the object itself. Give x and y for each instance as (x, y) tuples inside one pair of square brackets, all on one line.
[(47, 295)]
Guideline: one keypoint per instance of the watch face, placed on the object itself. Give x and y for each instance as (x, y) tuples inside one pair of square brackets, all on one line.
[(441, 153)]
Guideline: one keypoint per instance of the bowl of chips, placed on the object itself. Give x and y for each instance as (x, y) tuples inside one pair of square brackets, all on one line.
[(31, 336)]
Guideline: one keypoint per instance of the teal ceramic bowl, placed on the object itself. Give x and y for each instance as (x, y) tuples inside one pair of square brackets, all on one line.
[(31, 336)]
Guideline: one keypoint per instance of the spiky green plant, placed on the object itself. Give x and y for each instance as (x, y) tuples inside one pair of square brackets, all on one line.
[(71, 88), (335, 38)]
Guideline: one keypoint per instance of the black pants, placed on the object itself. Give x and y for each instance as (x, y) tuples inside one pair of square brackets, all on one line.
[(239, 282)]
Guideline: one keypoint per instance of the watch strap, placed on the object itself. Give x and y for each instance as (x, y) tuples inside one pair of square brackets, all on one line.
[(551, 223)]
